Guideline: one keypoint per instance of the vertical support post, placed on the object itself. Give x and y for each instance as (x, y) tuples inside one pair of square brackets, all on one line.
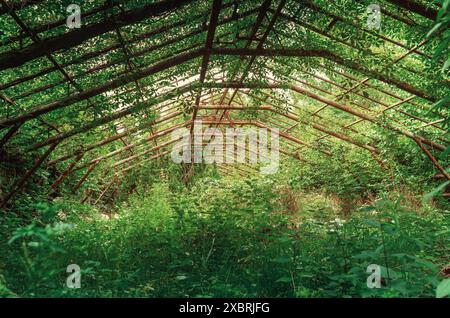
[(91, 168), (214, 18)]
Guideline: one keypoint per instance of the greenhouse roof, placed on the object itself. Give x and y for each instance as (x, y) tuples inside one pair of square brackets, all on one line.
[(136, 70)]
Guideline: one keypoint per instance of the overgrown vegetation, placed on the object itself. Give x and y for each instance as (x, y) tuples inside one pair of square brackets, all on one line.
[(227, 238), (354, 187)]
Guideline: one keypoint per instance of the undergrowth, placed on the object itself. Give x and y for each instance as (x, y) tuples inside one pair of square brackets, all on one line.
[(226, 238)]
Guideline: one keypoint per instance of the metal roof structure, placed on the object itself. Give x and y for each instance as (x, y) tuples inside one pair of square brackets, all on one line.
[(137, 70)]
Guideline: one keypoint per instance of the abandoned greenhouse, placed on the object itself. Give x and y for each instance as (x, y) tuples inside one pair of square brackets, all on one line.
[(225, 148)]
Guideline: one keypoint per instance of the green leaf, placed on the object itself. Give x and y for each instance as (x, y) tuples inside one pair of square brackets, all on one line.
[(181, 277), (435, 191), (440, 104), (446, 65), (442, 232), (425, 263), (385, 272), (284, 279), (441, 48), (366, 255), (434, 29), (443, 289)]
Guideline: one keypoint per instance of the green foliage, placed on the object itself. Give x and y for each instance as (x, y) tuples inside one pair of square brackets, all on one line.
[(443, 288), (227, 238), (311, 230)]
